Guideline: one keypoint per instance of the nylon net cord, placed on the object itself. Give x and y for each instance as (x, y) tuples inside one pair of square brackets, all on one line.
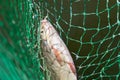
[(89, 28)]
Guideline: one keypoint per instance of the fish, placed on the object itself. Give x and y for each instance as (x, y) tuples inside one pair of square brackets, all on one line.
[(55, 53)]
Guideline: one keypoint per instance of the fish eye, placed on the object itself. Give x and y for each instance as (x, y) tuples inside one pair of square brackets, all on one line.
[(41, 31)]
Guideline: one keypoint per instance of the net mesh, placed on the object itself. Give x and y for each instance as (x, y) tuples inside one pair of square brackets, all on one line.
[(19, 59), (89, 28)]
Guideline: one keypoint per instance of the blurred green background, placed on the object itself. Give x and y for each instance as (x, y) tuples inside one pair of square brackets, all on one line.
[(19, 59), (89, 28)]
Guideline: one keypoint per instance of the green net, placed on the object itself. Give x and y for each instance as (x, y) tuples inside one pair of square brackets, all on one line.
[(89, 28), (19, 59)]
